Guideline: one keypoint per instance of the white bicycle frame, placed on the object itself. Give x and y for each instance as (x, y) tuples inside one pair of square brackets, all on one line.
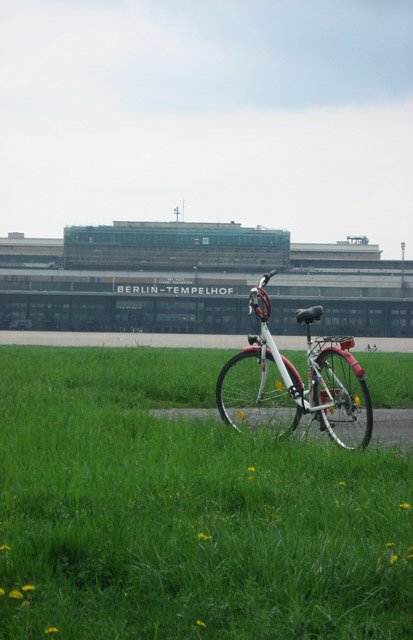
[(301, 401), (300, 396)]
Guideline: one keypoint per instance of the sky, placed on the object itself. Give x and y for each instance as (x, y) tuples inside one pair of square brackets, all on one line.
[(289, 114)]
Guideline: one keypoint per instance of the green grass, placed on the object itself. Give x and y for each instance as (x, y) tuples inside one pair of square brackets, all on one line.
[(166, 377), (101, 505)]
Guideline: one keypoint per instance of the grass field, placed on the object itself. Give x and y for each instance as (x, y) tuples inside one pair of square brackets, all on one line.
[(122, 525), (148, 377)]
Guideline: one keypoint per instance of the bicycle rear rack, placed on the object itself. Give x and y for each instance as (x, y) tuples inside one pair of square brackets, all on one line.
[(346, 342)]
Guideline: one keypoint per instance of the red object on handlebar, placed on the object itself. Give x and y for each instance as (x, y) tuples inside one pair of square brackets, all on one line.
[(263, 307)]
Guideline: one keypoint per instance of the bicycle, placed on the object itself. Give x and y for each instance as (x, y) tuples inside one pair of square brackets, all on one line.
[(260, 387)]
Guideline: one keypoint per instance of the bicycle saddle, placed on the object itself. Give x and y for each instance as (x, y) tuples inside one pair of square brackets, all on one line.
[(309, 315)]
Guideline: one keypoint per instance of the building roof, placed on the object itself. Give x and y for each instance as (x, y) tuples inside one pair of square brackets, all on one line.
[(31, 242)]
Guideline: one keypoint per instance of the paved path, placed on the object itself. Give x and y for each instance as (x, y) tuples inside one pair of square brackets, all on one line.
[(391, 427), (178, 340)]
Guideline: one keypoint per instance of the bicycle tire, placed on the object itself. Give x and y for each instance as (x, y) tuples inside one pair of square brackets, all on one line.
[(349, 423), (236, 395)]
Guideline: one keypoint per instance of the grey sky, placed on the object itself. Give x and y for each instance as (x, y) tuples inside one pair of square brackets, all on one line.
[(295, 114)]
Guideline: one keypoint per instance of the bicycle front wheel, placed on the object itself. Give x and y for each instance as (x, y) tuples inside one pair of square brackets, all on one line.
[(350, 421), (251, 394)]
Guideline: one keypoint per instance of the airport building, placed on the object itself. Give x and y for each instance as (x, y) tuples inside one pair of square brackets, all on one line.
[(181, 277)]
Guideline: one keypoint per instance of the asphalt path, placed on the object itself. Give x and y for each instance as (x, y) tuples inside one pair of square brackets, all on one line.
[(391, 427)]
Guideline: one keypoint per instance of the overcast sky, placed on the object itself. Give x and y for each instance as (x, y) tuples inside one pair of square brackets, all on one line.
[(293, 114)]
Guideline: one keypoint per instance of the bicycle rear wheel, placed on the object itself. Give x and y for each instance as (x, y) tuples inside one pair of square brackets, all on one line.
[(350, 421), (251, 395)]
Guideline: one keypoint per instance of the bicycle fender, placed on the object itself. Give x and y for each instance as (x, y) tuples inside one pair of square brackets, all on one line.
[(287, 363), (357, 368)]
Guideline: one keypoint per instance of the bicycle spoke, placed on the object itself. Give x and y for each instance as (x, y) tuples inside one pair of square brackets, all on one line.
[(349, 421), (248, 401)]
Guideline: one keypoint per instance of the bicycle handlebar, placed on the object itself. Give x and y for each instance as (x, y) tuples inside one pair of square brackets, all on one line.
[(258, 295), (266, 277)]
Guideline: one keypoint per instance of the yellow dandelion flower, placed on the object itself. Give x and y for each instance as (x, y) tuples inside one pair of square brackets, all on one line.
[(240, 414), (410, 556), (201, 624), (389, 545), (26, 603), (49, 630), (5, 547), (16, 594), (405, 506), (341, 483), (203, 537), (2, 592), (250, 478), (251, 469), (278, 385), (394, 558), (28, 587)]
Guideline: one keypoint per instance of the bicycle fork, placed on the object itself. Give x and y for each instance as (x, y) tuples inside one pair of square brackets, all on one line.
[(264, 372)]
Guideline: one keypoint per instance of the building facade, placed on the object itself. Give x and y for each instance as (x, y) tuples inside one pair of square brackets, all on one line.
[(174, 245), (195, 278)]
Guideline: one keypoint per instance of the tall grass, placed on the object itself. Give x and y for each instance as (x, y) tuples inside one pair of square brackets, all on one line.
[(129, 526)]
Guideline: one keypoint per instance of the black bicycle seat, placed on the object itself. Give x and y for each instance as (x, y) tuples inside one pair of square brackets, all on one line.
[(309, 315)]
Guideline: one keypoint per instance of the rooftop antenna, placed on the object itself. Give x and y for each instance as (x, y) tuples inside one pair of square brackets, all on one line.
[(177, 213)]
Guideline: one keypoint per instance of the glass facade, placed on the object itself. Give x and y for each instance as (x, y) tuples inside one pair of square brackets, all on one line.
[(174, 246)]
